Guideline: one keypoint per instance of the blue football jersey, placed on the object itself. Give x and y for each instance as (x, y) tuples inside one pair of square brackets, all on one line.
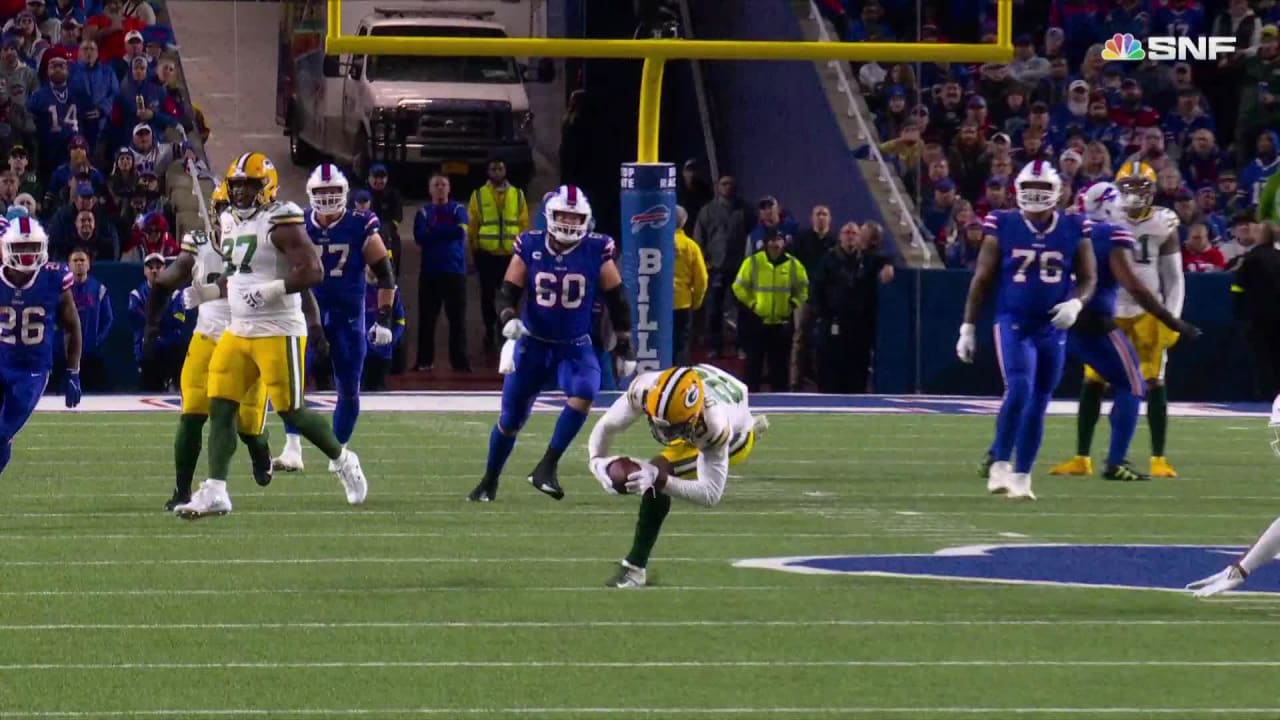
[(1035, 263), (28, 316), (341, 247), (562, 288), (1105, 237)]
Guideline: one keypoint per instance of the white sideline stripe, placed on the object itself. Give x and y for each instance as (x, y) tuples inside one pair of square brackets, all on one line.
[(334, 561), (180, 592), (536, 624), (754, 486), (637, 711), (393, 664), (724, 514)]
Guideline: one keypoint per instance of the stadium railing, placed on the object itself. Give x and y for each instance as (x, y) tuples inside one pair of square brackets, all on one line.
[(855, 109)]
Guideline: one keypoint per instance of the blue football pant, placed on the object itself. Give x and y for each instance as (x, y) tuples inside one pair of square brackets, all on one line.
[(1031, 366), (1114, 358)]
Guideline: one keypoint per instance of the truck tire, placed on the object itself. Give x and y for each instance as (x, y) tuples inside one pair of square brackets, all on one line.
[(300, 152)]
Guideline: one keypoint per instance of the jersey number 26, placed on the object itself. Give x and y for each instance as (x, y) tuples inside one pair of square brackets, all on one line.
[(25, 326)]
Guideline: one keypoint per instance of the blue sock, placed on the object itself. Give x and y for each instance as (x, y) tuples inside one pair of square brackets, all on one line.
[(6, 452), (291, 430), (1124, 423), (1031, 430), (567, 427), (344, 417), (500, 447)]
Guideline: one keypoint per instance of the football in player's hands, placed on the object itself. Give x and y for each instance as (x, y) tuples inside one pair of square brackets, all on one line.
[(619, 471)]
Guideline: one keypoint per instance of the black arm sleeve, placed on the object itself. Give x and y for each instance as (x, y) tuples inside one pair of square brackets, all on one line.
[(619, 312), (385, 275), (508, 300)]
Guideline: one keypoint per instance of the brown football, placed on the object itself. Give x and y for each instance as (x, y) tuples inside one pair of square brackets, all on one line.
[(619, 470)]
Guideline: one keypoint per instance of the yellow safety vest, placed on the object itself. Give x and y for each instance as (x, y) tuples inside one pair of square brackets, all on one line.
[(498, 230), (771, 291)]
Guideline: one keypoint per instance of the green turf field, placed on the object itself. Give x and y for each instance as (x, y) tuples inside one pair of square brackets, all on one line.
[(422, 605)]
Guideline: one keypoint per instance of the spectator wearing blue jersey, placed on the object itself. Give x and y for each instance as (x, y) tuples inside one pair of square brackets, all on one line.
[(101, 82), (377, 363), (57, 109), (440, 230), (1264, 164), (161, 369), (96, 318)]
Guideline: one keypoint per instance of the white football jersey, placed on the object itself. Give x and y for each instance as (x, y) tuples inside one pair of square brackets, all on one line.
[(726, 417), (1148, 235), (214, 315), (253, 260)]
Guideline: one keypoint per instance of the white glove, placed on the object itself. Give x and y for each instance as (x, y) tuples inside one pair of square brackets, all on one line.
[(507, 358), (380, 335), (640, 481), (198, 293), (514, 329), (626, 368), (600, 470), (1228, 578), (263, 294), (966, 345), (1065, 313), (190, 298)]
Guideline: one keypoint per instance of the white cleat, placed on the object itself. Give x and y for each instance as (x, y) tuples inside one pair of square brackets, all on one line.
[(1019, 487), (289, 461), (759, 426), (210, 499), (347, 468), (1229, 578), (628, 577), (998, 478)]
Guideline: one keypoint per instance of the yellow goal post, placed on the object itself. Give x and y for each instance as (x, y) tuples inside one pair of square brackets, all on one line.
[(656, 52)]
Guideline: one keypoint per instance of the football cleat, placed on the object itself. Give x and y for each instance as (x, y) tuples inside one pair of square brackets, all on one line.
[(1078, 465), (1019, 487), (1229, 578), (629, 576), (178, 498), (347, 468), (486, 491), (289, 461), (998, 477), (1160, 467), (208, 500), (759, 426), (545, 480), (984, 467), (1123, 472), (262, 466)]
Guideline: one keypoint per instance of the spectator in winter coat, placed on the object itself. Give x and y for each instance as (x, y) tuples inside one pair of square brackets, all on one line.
[(64, 226), (142, 100), (1179, 17), (771, 216), (997, 196), (1151, 150), (440, 230), (963, 255), (110, 29), (1200, 256), (55, 107), (894, 116), (1240, 240), (1075, 109), (812, 242), (1010, 116), (720, 225), (1027, 68), (1102, 128), (1132, 114), (13, 70), (1128, 16), (1265, 161), (27, 180), (175, 103), (1202, 161), (1168, 187), (1207, 204), (100, 80), (160, 369), (77, 164), (969, 167), (1080, 21), (96, 318), (1187, 118), (938, 212)]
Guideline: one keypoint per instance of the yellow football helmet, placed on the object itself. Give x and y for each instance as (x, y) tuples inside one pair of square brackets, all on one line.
[(1137, 184), (256, 169), (674, 404)]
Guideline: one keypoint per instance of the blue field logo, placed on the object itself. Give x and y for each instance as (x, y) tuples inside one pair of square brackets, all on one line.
[(1134, 567), (655, 217)]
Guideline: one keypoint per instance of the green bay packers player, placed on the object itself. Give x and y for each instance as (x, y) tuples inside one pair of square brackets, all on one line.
[(1157, 263), (700, 416), (270, 264)]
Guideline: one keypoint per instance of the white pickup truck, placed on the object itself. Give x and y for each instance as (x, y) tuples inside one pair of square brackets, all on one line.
[(451, 114)]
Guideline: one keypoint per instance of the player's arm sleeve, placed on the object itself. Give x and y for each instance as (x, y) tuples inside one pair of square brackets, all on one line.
[(615, 301), (69, 319), (713, 473), (620, 416)]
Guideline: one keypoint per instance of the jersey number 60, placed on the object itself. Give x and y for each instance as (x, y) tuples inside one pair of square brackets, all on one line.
[(1050, 265), (569, 295)]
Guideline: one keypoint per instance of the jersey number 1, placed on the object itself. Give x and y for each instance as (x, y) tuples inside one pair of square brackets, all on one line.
[(1050, 265), (31, 321), (569, 295)]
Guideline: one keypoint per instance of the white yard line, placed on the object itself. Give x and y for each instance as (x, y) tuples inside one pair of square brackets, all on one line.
[(337, 561), (642, 711), (727, 513), (655, 664), (466, 589)]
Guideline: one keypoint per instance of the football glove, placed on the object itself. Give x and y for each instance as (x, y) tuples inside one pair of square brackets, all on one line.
[(600, 471), (966, 345), (642, 480), (507, 358), (72, 389), (1064, 314), (198, 293), (514, 329), (380, 336), (1229, 578), (624, 357), (263, 294)]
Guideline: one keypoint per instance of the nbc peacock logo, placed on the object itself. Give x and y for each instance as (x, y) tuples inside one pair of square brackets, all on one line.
[(1123, 47)]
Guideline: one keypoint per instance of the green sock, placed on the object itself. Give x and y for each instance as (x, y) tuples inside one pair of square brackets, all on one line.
[(1158, 417), (1087, 417), (186, 450), (653, 510), (316, 428), (222, 436), (259, 449)]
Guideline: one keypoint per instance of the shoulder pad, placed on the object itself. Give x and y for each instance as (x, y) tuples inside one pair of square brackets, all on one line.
[(1168, 217), (283, 210)]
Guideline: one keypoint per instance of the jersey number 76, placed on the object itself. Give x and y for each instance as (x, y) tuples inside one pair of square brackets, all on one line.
[(1050, 265)]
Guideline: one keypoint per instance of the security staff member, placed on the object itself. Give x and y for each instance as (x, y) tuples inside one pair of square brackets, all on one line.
[(690, 286), (844, 302), (1257, 299), (499, 212), (771, 285)]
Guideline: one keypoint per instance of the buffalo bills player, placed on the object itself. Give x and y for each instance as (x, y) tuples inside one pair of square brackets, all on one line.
[(1096, 340), (348, 240), (1034, 251), (34, 293), (568, 268)]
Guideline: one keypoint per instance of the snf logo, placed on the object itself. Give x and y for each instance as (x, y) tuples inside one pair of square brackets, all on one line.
[(1125, 47)]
